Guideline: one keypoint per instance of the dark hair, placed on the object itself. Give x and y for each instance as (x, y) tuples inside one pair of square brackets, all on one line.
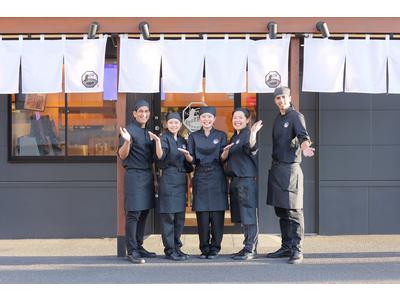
[(244, 110)]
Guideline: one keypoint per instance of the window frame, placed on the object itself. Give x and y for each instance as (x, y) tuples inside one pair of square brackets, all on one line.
[(50, 159)]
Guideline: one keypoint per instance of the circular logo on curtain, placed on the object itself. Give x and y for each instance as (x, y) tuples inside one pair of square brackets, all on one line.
[(273, 79), (89, 79)]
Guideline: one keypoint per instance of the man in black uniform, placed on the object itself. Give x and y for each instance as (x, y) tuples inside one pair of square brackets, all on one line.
[(285, 179), (136, 151)]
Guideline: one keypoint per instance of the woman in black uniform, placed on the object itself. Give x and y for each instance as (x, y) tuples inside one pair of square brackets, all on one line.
[(136, 151), (172, 186), (206, 150), (242, 169)]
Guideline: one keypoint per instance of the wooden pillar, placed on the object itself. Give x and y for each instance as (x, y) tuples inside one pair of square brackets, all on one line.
[(121, 122), (295, 71)]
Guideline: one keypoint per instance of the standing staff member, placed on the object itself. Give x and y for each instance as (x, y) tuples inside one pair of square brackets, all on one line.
[(207, 149), (137, 153), (242, 168), (172, 185), (285, 179)]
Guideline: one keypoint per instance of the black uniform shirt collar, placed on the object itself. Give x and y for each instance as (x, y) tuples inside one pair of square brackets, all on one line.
[(138, 124), (211, 131)]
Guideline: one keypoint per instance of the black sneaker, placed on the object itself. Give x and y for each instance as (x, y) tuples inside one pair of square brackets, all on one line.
[(181, 253), (174, 256), (212, 254), (245, 255), (237, 253), (135, 258), (203, 255), (296, 257), (144, 253), (281, 252)]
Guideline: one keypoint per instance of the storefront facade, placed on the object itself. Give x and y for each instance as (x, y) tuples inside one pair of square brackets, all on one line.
[(74, 188)]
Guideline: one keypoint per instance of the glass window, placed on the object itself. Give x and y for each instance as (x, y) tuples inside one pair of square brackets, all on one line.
[(60, 126)]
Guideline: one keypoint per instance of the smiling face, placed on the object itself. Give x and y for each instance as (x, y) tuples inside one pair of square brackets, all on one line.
[(142, 115), (174, 125), (207, 120), (239, 120), (282, 102)]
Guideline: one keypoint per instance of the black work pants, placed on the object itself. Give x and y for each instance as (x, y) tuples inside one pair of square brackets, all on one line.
[(134, 229), (171, 230), (210, 225), (291, 222), (250, 237)]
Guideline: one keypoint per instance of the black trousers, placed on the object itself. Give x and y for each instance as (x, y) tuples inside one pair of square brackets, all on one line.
[(210, 225), (291, 222), (134, 229), (171, 230), (250, 237)]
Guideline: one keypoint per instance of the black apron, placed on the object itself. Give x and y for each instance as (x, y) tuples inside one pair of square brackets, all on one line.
[(285, 185), (243, 200), (172, 186), (209, 189), (139, 189)]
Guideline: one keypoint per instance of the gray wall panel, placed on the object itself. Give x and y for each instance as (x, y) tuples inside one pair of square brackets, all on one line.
[(385, 102), (336, 126), (384, 207), (385, 162), (59, 210), (344, 163), (385, 127), (345, 101), (343, 210)]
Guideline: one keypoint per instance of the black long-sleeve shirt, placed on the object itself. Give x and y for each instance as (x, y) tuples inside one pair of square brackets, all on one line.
[(289, 132), (242, 160)]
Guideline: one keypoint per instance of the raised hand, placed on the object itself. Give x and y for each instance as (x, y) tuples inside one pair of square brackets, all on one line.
[(256, 127), (184, 151), (227, 147), (154, 137), (125, 134), (308, 152)]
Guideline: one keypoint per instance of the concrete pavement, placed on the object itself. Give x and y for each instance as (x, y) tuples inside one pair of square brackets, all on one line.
[(333, 259)]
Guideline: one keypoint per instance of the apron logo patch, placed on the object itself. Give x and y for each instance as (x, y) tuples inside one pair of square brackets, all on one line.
[(286, 124), (216, 141), (237, 142), (89, 79)]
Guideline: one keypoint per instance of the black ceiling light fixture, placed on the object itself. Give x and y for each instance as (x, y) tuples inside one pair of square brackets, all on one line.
[(145, 30), (323, 28), (93, 28), (272, 30)]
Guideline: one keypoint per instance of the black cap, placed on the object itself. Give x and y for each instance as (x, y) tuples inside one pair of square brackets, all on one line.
[(242, 109), (173, 115), (282, 91), (208, 109), (141, 103)]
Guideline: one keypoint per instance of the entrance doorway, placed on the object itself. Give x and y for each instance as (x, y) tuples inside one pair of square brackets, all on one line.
[(186, 105)]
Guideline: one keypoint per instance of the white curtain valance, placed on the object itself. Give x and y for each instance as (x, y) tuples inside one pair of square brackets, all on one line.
[(323, 65), (10, 55), (140, 62), (182, 66), (268, 64), (41, 66), (84, 65), (226, 66), (366, 66)]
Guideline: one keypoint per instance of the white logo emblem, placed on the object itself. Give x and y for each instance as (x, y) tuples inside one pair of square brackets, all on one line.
[(286, 125), (237, 142), (190, 116), (216, 141), (183, 147)]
